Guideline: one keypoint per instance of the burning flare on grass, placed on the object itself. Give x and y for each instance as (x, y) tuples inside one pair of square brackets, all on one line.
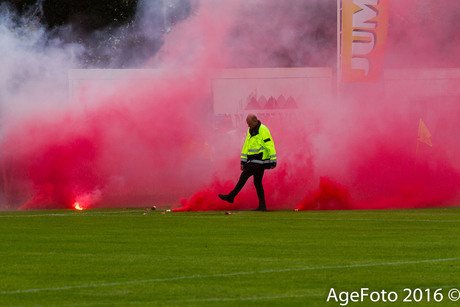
[(77, 206)]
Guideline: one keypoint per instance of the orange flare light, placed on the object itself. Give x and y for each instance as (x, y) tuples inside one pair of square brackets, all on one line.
[(77, 206)]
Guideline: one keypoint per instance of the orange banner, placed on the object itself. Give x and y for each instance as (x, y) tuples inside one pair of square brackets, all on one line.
[(424, 134), (364, 33)]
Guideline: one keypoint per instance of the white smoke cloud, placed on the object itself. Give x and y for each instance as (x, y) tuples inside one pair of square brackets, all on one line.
[(33, 75)]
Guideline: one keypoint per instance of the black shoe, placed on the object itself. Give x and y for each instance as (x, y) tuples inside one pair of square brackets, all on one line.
[(260, 209), (227, 198)]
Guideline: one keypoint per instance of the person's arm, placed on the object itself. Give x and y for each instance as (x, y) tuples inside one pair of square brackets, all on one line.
[(244, 153), (270, 146)]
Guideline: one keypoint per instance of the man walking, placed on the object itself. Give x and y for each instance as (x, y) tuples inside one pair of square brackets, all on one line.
[(257, 155)]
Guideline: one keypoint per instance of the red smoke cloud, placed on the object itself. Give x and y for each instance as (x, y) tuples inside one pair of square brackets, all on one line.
[(118, 148), (362, 158), (329, 196), (126, 144), (367, 143), (156, 141)]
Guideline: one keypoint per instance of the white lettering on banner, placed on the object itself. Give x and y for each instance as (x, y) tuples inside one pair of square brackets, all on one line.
[(362, 18), (363, 47), (364, 38), (361, 63)]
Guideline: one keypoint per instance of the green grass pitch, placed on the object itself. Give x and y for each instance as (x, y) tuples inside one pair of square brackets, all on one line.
[(117, 257)]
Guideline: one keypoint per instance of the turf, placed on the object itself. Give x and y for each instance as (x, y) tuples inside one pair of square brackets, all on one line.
[(122, 257)]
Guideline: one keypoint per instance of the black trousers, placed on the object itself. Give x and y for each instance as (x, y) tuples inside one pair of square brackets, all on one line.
[(256, 170)]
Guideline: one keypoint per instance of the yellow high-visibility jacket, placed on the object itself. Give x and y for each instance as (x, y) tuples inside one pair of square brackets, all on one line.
[(259, 147)]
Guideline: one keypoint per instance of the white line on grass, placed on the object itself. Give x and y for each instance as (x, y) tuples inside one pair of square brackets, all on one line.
[(130, 282), (387, 220), (252, 298), (307, 218), (127, 213), (208, 300), (79, 213)]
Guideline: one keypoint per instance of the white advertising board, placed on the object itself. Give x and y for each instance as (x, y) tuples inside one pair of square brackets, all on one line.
[(237, 92)]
